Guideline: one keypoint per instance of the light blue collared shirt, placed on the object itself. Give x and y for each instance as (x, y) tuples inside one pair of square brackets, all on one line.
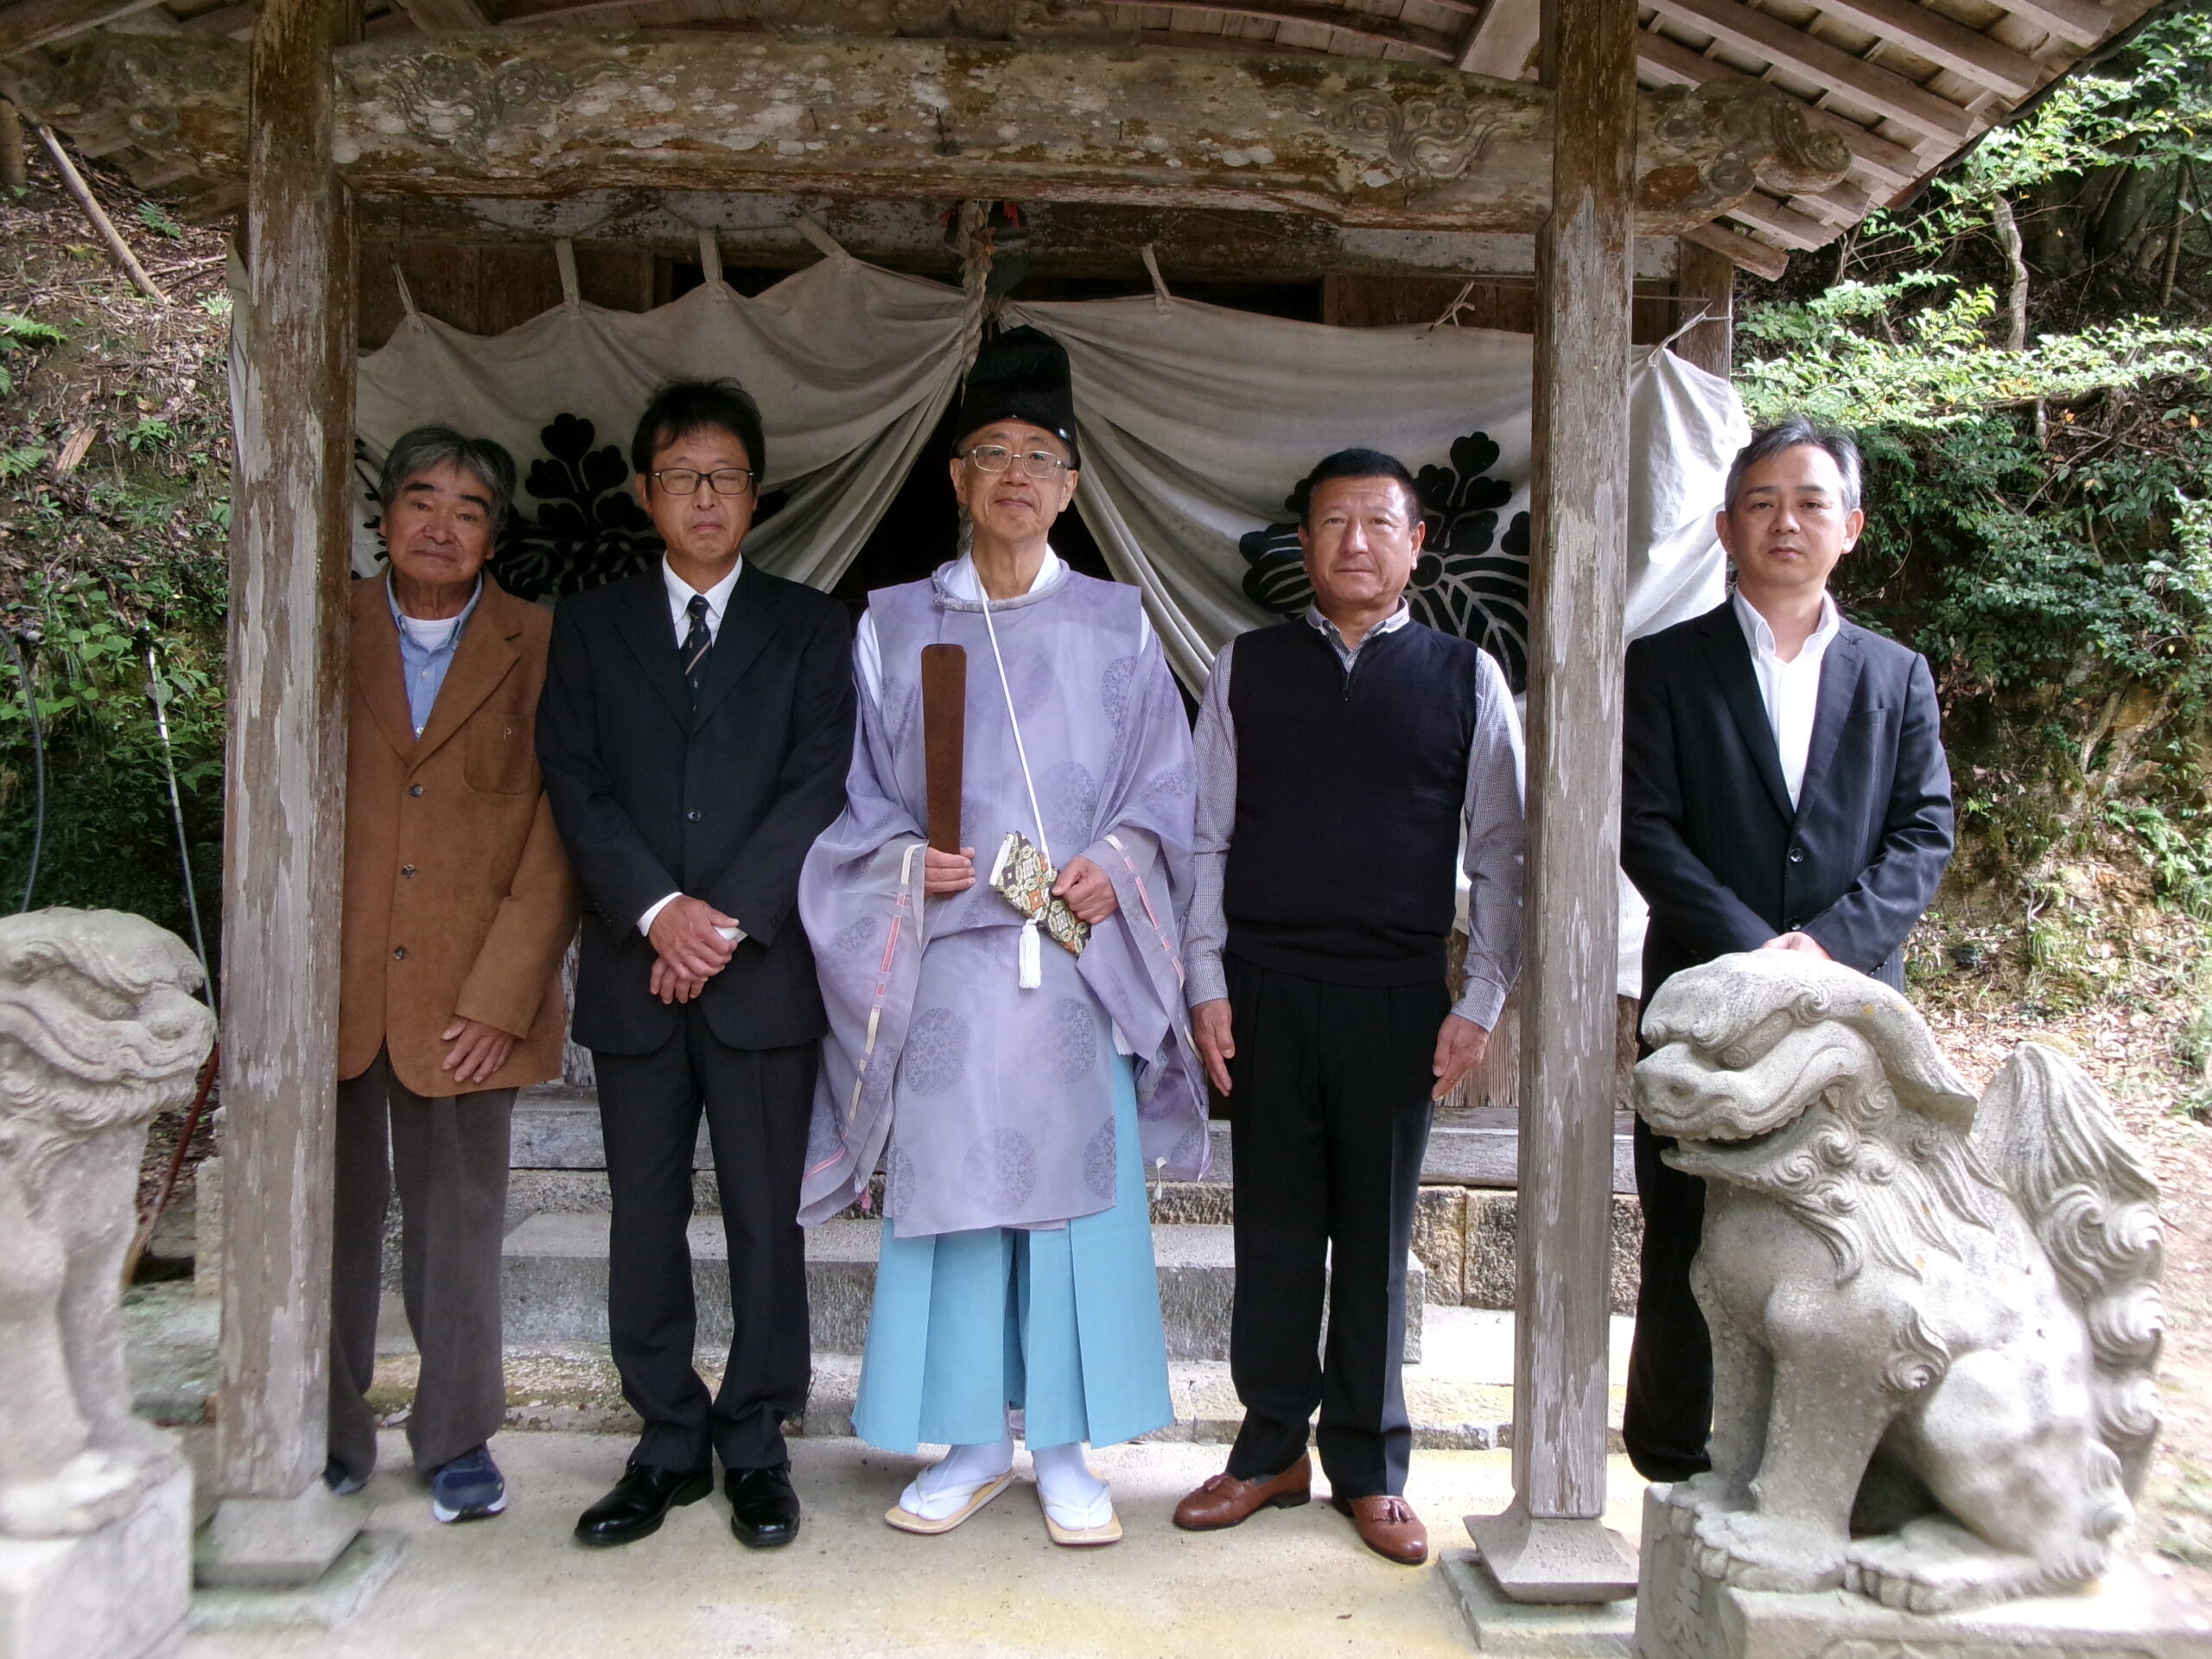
[(426, 651)]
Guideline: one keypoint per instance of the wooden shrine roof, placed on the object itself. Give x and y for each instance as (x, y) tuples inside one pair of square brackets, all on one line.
[(1905, 85)]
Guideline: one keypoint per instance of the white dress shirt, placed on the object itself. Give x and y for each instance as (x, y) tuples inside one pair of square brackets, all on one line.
[(680, 593), (1790, 690)]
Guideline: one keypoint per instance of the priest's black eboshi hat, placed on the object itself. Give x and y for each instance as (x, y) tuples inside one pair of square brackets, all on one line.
[(1022, 375)]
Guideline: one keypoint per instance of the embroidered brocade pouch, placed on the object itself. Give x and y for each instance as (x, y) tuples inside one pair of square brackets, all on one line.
[(1020, 874)]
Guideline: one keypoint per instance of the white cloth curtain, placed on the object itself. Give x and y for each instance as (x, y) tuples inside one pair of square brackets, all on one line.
[(1196, 423), (1197, 420), (852, 366)]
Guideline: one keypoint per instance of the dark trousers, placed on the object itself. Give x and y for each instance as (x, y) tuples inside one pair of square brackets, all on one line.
[(448, 1156), (757, 1103), (1330, 1114), (1670, 1409)]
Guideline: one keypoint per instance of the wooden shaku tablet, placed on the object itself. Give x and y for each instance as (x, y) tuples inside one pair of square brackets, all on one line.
[(945, 725)]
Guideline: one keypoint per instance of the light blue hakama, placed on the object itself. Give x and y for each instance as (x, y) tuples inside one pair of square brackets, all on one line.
[(1062, 1322)]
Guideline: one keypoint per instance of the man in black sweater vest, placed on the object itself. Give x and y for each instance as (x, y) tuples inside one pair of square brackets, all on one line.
[(1338, 764)]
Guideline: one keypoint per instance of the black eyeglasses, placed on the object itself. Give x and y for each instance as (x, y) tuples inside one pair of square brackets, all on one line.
[(996, 458), (683, 480)]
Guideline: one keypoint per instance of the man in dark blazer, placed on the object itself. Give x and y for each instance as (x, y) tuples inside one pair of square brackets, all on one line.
[(1784, 789), (695, 731)]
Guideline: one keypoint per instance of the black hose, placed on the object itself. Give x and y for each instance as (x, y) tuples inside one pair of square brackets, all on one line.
[(38, 766)]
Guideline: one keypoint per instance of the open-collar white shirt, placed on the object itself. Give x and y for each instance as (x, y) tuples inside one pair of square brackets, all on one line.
[(1791, 690)]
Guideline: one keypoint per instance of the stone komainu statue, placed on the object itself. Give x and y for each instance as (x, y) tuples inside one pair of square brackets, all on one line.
[(98, 1032), (1934, 1319)]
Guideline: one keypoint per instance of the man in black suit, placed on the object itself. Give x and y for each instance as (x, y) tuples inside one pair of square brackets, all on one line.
[(1784, 789), (693, 733)]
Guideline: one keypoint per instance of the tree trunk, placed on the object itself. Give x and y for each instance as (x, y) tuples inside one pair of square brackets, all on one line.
[(2016, 266)]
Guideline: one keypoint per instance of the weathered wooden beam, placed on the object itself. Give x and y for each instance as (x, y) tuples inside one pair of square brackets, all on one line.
[(1708, 278), (290, 547), (1675, 63), (1502, 39), (1854, 79), (1761, 259), (1932, 36), (1552, 1545), (2079, 22), (1065, 238), (1785, 224), (1032, 21), (448, 17), (515, 114), (29, 23)]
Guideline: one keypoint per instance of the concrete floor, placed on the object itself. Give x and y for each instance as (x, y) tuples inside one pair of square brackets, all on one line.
[(1287, 1583)]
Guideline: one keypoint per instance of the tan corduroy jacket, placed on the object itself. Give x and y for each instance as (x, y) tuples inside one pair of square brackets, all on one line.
[(458, 896)]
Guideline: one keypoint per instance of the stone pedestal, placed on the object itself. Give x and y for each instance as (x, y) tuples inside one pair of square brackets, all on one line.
[(118, 1593), (268, 1542), (1680, 1615)]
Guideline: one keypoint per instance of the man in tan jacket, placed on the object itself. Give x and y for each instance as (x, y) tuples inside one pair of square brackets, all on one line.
[(458, 906)]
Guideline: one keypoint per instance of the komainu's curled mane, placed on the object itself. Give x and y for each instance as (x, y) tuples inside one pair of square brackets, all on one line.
[(1935, 1319)]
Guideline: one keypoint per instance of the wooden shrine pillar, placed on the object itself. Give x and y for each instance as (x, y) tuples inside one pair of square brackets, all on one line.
[(1706, 277), (1550, 1546), (286, 767)]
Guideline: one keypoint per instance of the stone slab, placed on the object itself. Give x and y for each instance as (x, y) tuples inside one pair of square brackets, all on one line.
[(1521, 1630), (1680, 1615), (337, 1598), (261, 1542), (555, 1284), (120, 1592), (557, 1127)]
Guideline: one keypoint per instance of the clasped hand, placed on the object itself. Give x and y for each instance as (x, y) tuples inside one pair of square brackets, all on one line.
[(1083, 887), (689, 951)]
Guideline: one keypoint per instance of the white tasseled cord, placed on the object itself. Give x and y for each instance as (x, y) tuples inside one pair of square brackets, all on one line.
[(1033, 955)]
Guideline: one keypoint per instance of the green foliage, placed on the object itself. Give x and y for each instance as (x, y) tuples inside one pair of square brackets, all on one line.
[(2180, 862), (2039, 515), (110, 838), (22, 334), (1860, 355), (157, 218)]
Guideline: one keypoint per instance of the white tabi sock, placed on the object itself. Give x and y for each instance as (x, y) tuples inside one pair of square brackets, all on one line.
[(944, 1488), (1074, 1497)]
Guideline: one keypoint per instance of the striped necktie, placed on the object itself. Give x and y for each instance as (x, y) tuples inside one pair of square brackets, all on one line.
[(697, 644)]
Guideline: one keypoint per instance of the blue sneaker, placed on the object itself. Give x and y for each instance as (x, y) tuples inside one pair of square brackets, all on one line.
[(468, 1488), (335, 1476)]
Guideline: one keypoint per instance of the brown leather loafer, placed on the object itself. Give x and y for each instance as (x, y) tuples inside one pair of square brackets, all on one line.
[(1388, 1527), (1224, 1500)]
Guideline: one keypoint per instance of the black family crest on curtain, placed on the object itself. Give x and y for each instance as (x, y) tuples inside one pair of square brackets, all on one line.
[(588, 528), (1469, 581)]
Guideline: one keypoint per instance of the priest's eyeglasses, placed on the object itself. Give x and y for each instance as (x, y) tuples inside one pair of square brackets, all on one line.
[(996, 458), (726, 480)]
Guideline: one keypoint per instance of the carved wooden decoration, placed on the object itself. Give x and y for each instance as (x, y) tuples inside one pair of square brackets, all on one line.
[(1369, 144)]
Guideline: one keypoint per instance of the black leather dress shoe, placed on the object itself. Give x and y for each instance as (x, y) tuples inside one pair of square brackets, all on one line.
[(640, 1502), (763, 1508)]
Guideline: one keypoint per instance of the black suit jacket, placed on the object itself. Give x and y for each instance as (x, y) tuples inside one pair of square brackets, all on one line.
[(1707, 832), (651, 798)]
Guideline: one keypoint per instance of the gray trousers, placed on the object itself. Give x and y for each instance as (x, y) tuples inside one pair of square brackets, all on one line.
[(448, 1157)]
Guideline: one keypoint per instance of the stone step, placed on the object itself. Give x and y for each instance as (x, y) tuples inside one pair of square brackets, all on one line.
[(557, 1127), (555, 1285), (1459, 1396)]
